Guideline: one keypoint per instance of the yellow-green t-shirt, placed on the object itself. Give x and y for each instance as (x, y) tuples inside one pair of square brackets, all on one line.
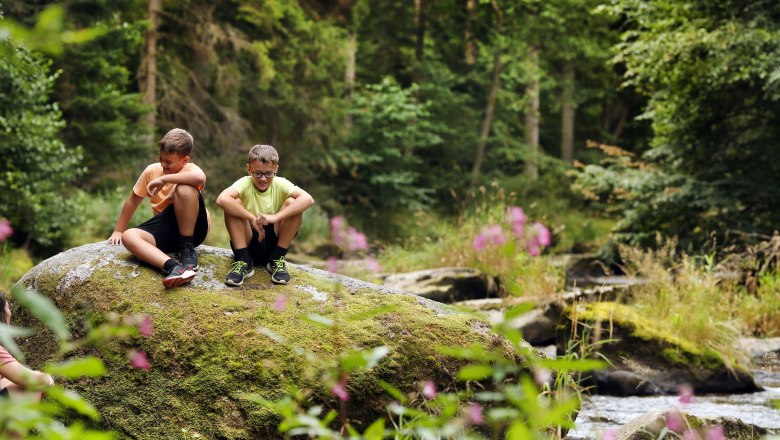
[(269, 201)]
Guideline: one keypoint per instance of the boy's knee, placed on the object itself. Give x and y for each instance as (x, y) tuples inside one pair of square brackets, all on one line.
[(185, 191)]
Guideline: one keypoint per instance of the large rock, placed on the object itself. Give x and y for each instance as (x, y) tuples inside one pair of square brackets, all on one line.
[(649, 426), (210, 342), (645, 360), (446, 284)]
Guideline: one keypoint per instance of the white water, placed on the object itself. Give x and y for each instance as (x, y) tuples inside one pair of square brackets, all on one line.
[(608, 412)]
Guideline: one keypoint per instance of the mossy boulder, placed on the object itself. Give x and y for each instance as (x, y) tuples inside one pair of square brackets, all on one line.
[(211, 343), (650, 425), (644, 359)]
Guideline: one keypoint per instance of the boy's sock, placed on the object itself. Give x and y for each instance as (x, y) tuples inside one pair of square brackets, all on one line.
[(187, 254), (278, 253), (169, 265), (243, 255)]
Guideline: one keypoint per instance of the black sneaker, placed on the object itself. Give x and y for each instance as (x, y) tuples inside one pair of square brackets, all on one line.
[(238, 273), (188, 256), (178, 276), (278, 271)]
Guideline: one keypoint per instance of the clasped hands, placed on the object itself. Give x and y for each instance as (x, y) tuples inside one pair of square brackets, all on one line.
[(260, 221)]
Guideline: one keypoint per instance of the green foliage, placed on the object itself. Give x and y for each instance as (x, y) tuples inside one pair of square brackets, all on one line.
[(379, 169), (37, 167), (710, 73)]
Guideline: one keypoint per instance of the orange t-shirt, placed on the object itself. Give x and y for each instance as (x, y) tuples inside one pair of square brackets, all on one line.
[(5, 357), (164, 197)]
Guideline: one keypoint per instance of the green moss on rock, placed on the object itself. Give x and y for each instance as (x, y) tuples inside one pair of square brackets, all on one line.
[(210, 343)]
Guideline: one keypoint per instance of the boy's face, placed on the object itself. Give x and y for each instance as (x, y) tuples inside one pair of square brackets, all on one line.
[(172, 163), (262, 174)]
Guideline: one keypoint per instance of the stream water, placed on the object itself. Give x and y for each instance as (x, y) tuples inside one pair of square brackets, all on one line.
[(608, 412)]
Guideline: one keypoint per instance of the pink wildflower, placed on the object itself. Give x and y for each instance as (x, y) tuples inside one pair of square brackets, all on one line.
[(715, 432), (138, 360), (608, 434), (480, 241), (337, 230), (280, 303), (145, 326), (543, 235), (333, 264), (674, 421), (340, 391), (515, 214), (518, 229), (685, 393), (690, 434), (496, 235), (473, 414), (533, 247), (429, 389), (5, 230), (372, 264), (357, 240)]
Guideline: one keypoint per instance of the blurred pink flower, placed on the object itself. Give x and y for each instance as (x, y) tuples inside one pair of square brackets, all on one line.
[(690, 434), (5, 230), (333, 264), (608, 434), (280, 303), (515, 214), (357, 240), (533, 248), (480, 241), (543, 236), (518, 229), (674, 421), (340, 391), (429, 389), (473, 414), (496, 235), (715, 432), (337, 230), (138, 360), (685, 393), (372, 264), (145, 326)]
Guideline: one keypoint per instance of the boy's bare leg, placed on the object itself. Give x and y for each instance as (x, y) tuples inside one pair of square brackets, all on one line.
[(287, 228), (186, 206), (239, 230), (143, 245)]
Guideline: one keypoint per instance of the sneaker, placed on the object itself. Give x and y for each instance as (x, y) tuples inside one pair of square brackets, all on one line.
[(188, 256), (238, 273), (278, 271), (178, 276)]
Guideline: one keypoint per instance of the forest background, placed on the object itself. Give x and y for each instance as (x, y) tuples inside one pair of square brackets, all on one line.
[(608, 121)]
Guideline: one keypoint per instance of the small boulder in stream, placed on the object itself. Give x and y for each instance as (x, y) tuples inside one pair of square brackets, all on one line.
[(446, 284), (649, 426)]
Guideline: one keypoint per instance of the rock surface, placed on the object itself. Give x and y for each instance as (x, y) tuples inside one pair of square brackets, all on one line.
[(644, 359), (650, 425), (213, 344), (445, 284)]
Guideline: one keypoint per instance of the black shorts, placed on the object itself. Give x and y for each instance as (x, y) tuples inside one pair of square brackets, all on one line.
[(165, 229), (261, 251)]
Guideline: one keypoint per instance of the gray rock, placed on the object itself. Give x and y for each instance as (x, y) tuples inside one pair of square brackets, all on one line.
[(649, 426), (446, 284)]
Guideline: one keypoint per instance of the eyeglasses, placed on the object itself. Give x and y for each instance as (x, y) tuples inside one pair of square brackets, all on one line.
[(267, 174)]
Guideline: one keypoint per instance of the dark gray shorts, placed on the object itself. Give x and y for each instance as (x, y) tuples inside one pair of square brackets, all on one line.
[(165, 229)]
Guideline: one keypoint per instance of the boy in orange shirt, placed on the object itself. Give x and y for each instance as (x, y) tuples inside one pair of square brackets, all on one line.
[(180, 220)]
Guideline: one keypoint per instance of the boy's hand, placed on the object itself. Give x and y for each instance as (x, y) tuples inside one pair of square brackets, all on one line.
[(267, 219), (154, 186), (115, 238), (258, 226)]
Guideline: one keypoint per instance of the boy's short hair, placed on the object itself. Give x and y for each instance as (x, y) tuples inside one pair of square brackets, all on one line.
[(264, 154), (176, 141)]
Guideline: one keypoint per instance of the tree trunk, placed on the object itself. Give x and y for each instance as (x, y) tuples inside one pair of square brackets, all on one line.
[(419, 46), (568, 107), (148, 75), (491, 102), (349, 73), (471, 44), (532, 116)]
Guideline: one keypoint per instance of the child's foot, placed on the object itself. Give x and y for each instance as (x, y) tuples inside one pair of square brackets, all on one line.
[(238, 273), (188, 256), (178, 276), (278, 271)]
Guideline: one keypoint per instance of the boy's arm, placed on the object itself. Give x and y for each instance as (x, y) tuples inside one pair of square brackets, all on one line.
[(230, 202), (131, 204), (25, 377), (302, 201), (195, 177)]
